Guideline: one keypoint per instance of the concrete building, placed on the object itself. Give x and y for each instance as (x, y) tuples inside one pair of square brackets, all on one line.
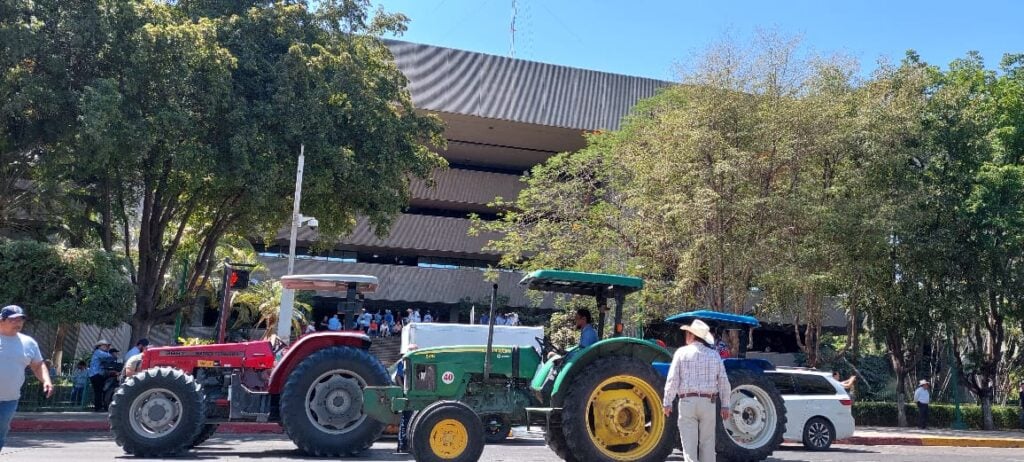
[(502, 117)]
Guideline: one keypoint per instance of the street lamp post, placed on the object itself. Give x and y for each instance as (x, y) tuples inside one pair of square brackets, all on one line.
[(284, 319)]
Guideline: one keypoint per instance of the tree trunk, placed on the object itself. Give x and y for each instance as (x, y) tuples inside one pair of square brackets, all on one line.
[(901, 397), (58, 347), (141, 326), (987, 422), (854, 335)]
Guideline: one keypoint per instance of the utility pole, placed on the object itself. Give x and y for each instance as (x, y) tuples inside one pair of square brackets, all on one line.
[(512, 31), (284, 318)]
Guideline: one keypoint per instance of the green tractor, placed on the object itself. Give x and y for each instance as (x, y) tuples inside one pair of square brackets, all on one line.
[(600, 403)]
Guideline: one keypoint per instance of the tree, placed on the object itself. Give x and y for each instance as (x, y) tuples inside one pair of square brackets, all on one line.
[(65, 287), (975, 180), (709, 190), (191, 115)]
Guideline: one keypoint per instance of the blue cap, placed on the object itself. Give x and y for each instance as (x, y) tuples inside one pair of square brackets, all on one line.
[(11, 312)]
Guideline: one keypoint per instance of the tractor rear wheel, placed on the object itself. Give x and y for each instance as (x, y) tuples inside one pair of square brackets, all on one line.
[(447, 431), (554, 436), (322, 402), (612, 412), (205, 434), (496, 428), (758, 420), (157, 413)]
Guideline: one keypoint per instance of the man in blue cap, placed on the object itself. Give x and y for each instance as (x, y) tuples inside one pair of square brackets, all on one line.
[(17, 351)]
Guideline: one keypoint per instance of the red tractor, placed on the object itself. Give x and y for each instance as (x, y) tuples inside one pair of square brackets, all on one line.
[(313, 388)]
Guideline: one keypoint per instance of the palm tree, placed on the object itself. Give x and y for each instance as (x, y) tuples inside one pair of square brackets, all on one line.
[(260, 305)]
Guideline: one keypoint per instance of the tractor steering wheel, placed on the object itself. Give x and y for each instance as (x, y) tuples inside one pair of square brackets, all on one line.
[(546, 346), (276, 344)]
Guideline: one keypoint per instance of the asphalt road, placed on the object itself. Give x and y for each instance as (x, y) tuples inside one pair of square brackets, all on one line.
[(87, 447)]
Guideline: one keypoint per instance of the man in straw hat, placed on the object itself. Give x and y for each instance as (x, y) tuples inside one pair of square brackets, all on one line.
[(923, 396), (98, 376), (17, 351), (697, 377)]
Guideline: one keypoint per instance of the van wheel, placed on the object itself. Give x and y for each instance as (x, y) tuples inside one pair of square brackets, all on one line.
[(818, 434)]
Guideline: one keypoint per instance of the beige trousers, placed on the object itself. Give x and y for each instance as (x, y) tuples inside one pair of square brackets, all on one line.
[(697, 428)]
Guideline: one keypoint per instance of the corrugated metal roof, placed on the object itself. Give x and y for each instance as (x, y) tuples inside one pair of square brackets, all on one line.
[(413, 232), (467, 187), (464, 82), (414, 284)]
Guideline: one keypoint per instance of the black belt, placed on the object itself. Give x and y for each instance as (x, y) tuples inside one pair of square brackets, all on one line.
[(710, 396)]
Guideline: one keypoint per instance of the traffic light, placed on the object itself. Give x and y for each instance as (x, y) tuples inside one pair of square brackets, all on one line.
[(238, 279)]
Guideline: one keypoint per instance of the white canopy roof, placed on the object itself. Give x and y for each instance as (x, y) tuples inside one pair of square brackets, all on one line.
[(330, 282)]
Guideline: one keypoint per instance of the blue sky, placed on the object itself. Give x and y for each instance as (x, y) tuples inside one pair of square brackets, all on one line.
[(650, 38)]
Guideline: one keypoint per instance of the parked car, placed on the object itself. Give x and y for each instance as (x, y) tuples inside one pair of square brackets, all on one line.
[(818, 409)]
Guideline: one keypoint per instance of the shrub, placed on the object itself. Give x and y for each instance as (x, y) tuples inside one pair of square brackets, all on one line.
[(941, 415)]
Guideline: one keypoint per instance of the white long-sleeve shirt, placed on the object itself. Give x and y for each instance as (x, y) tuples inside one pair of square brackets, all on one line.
[(922, 396), (696, 369)]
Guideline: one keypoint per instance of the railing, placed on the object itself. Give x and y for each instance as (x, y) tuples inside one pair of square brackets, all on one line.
[(64, 398)]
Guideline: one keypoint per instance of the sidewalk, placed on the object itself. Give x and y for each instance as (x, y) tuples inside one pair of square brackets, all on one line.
[(890, 436)]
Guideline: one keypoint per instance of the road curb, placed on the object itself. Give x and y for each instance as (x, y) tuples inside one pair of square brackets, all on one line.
[(964, 442), (60, 426)]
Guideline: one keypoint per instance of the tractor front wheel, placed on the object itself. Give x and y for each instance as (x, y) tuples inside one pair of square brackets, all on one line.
[(447, 431), (322, 402), (613, 412), (205, 434), (158, 412)]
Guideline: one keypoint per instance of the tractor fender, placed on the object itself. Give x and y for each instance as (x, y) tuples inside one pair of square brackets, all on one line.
[(646, 351), (307, 345)]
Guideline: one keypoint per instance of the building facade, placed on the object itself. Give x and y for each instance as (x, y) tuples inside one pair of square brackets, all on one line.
[(502, 117)]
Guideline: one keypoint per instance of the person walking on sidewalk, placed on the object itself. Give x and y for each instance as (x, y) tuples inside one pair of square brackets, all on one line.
[(697, 377), (17, 351), (922, 396)]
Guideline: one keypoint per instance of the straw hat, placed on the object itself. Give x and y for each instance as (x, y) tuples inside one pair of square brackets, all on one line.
[(923, 382), (103, 342), (700, 330)]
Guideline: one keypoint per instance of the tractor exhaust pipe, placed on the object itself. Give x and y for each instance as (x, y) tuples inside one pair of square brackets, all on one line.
[(490, 332)]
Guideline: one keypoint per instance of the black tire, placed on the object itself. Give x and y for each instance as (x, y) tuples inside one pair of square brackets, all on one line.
[(818, 434), (756, 400), (451, 418), (577, 414), (205, 434), (497, 427), (153, 392), (555, 439), (344, 370)]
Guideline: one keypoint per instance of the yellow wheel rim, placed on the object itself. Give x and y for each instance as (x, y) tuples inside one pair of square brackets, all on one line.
[(449, 439), (624, 417)]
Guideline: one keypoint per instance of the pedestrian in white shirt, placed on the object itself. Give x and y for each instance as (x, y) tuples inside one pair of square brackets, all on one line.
[(923, 397), (697, 377)]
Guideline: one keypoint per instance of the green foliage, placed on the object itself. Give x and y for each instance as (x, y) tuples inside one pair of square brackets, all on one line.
[(195, 341), (881, 414), (146, 120), (260, 306), (59, 285)]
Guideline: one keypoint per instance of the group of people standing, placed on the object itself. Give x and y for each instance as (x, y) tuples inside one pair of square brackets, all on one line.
[(103, 367), (383, 323)]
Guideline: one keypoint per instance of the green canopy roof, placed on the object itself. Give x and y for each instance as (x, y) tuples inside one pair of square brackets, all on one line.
[(574, 282)]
